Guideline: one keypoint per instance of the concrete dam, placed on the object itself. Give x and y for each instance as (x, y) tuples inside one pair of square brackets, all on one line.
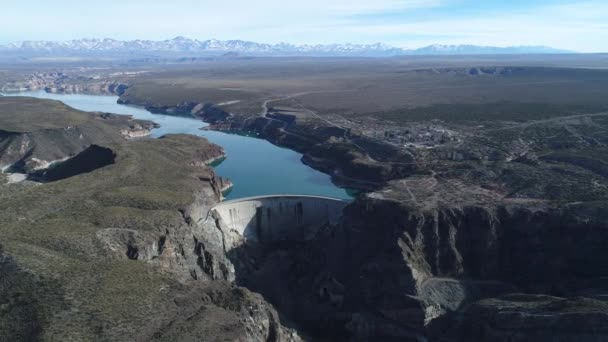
[(278, 217)]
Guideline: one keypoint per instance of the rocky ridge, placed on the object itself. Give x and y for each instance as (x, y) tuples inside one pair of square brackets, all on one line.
[(30, 142), (119, 250), (426, 267), (476, 241), (60, 82)]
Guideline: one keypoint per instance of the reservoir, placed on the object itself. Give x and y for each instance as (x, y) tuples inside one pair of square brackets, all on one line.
[(255, 166)]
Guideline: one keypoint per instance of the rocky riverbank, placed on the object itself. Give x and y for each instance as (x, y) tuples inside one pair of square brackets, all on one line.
[(447, 244), (327, 149), (117, 250), (206, 112), (498, 236), (443, 261), (50, 132), (65, 83)]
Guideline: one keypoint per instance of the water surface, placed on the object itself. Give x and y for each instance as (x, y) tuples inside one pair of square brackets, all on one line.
[(255, 166)]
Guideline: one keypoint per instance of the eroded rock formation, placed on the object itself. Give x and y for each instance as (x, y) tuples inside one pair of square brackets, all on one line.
[(118, 252), (65, 83), (49, 132), (436, 259)]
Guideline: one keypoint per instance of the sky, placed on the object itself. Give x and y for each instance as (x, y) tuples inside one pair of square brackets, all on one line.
[(574, 25)]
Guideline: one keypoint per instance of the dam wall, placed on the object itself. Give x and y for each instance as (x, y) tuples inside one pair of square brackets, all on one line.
[(278, 217)]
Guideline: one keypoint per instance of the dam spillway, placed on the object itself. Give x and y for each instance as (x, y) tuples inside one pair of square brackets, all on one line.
[(278, 217)]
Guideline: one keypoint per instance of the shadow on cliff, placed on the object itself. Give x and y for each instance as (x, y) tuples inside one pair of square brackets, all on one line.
[(287, 270), (92, 158)]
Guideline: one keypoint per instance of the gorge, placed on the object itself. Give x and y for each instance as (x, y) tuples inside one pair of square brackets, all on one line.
[(483, 228), (255, 166)]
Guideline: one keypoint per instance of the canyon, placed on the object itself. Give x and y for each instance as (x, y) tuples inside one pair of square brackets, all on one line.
[(495, 235)]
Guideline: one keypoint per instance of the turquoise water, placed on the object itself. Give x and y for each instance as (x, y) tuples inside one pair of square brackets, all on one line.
[(255, 166)]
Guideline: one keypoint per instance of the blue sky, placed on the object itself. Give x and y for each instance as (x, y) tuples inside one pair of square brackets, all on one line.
[(574, 25)]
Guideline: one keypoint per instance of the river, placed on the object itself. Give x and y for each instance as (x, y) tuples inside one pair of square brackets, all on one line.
[(255, 166)]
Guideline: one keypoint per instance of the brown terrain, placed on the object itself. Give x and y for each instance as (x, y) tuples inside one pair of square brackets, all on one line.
[(483, 214)]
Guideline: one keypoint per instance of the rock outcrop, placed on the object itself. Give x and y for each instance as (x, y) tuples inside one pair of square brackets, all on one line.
[(436, 259), (205, 111), (525, 317), (352, 161), (63, 83), (47, 132), (121, 251), (475, 240)]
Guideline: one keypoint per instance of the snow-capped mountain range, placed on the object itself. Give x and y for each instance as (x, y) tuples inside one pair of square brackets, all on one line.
[(438, 49), (186, 46)]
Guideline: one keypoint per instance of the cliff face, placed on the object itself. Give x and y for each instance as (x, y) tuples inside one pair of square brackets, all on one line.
[(49, 131), (533, 246), (329, 149), (438, 257), (439, 260), (125, 244), (525, 317), (121, 251), (59, 82), (356, 162), (205, 111), (470, 251)]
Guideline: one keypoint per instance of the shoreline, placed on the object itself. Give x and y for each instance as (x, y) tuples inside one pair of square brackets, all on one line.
[(219, 120), (351, 186)]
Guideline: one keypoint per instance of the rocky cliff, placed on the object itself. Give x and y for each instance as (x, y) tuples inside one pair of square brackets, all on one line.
[(35, 134), (205, 111), (436, 259), (481, 239), (119, 251), (65, 83)]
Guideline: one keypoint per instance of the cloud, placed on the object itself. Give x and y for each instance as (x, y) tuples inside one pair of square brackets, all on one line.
[(154, 19), (362, 7), (578, 25)]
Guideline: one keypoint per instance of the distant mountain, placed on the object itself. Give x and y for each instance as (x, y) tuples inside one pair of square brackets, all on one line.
[(186, 46), (484, 50)]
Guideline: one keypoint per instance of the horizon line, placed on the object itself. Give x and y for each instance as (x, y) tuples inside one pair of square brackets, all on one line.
[(15, 42)]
